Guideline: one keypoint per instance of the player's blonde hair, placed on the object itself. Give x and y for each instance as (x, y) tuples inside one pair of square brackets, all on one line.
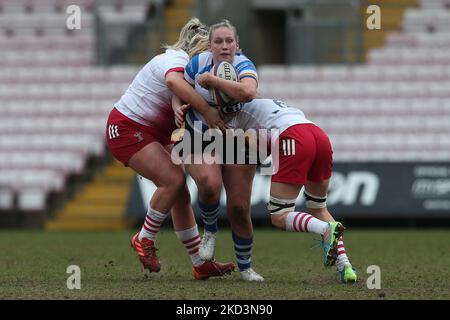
[(192, 39), (223, 23), (198, 44)]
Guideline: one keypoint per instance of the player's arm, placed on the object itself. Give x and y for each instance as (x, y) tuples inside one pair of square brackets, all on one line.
[(243, 91), (184, 91), (179, 110), (176, 102)]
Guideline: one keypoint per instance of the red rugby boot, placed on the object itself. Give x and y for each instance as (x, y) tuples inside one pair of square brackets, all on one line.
[(212, 269), (146, 251)]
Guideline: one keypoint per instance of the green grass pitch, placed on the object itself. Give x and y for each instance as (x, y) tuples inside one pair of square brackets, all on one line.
[(414, 265)]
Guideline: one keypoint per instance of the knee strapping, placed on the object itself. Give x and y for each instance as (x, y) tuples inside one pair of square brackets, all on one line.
[(279, 206), (315, 202)]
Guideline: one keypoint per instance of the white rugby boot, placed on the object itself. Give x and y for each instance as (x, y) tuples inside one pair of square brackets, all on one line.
[(207, 246), (250, 275)]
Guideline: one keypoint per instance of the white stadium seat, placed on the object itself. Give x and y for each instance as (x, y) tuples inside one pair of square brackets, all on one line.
[(55, 101), (435, 4), (6, 198)]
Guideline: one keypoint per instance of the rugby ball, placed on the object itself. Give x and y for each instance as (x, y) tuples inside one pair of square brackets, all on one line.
[(224, 70)]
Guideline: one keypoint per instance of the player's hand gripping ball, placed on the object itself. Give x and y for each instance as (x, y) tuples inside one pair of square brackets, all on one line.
[(225, 70)]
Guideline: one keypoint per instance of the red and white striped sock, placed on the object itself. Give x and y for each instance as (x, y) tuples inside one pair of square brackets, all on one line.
[(152, 224), (342, 259), (304, 222), (191, 241)]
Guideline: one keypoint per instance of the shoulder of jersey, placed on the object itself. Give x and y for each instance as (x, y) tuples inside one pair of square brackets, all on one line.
[(204, 55), (176, 54), (240, 61), (239, 57), (201, 59)]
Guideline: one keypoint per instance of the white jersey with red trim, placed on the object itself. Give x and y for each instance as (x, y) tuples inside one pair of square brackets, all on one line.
[(267, 114), (202, 63), (148, 100)]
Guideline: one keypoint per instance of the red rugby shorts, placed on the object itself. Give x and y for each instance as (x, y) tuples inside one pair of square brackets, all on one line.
[(305, 154), (125, 137)]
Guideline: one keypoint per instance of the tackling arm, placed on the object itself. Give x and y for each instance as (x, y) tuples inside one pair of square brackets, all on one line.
[(182, 89), (242, 91)]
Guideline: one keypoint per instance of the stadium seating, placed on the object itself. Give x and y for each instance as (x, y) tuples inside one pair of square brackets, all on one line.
[(54, 99), (394, 108)]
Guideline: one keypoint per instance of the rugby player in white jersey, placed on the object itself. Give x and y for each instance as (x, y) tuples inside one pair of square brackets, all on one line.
[(138, 134), (304, 160), (237, 178)]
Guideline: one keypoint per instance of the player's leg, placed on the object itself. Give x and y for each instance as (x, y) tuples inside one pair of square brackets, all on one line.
[(187, 232), (207, 175), (284, 217), (136, 146), (297, 156), (185, 225), (283, 214), (316, 191), (316, 194), (208, 178), (153, 162), (238, 180), (296, 153)]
